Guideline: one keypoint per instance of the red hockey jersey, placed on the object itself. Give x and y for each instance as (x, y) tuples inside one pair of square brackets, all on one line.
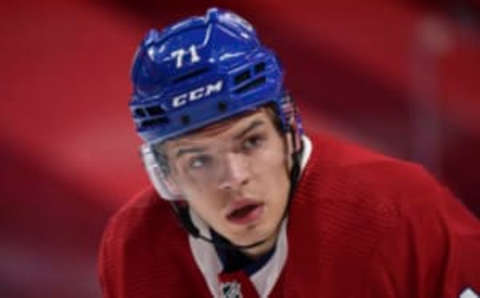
[(360, 225)]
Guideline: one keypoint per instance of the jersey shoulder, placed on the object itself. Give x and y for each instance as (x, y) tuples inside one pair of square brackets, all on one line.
[(145, 213), (350, 195), (354, 207), (142, 228), (144, 244), (344, 171)]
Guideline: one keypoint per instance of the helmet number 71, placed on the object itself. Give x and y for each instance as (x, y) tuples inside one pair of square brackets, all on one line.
[(181, 53)]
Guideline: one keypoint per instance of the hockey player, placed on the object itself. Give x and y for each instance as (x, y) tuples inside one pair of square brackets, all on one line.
[(245, 204)]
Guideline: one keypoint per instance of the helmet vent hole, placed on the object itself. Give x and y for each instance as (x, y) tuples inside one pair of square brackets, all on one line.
[(154, 122), (259, 67), (139, 113), (222, 106), (185, 119), (155, 111), (252, 85), (189, 75), (242, 77)]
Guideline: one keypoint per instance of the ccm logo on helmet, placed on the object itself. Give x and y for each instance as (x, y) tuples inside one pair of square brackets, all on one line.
[(196, 94)]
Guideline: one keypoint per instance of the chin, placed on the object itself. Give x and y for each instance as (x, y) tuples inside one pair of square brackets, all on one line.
[(252, 234)]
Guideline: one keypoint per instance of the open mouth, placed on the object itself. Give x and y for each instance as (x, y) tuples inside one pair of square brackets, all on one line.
[(246, 214)]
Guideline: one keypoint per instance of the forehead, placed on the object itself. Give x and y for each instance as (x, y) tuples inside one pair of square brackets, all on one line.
[(224, 129)]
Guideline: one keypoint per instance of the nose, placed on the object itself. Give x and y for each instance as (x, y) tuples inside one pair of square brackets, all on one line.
[(236, 172)]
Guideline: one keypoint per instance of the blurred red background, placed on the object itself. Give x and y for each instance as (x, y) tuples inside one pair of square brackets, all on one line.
[(400, 76)]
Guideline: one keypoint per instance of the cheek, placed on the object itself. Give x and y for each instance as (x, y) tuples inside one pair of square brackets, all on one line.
[(203, 198), (272, 162), (275, 173), (198, 195), (190, 186)]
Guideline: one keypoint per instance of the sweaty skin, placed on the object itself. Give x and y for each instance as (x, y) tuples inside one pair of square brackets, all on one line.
[(238, 163)]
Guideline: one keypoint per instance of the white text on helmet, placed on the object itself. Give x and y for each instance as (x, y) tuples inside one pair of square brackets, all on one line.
[(180, 53), (196, 94)]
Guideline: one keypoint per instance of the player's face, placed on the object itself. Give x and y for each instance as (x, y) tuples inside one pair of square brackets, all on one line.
[(235, 176)]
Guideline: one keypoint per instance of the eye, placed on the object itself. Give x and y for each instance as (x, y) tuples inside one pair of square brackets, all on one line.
[(199, 161), (253, 142)]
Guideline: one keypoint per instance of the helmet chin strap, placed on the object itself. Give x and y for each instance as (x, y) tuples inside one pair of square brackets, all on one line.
[(183, 214)]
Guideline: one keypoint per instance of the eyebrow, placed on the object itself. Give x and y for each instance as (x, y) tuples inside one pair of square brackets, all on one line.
[(183, 151), (253, 125)]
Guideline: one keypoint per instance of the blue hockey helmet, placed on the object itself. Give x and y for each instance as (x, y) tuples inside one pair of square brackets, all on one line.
[(200, 71)]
